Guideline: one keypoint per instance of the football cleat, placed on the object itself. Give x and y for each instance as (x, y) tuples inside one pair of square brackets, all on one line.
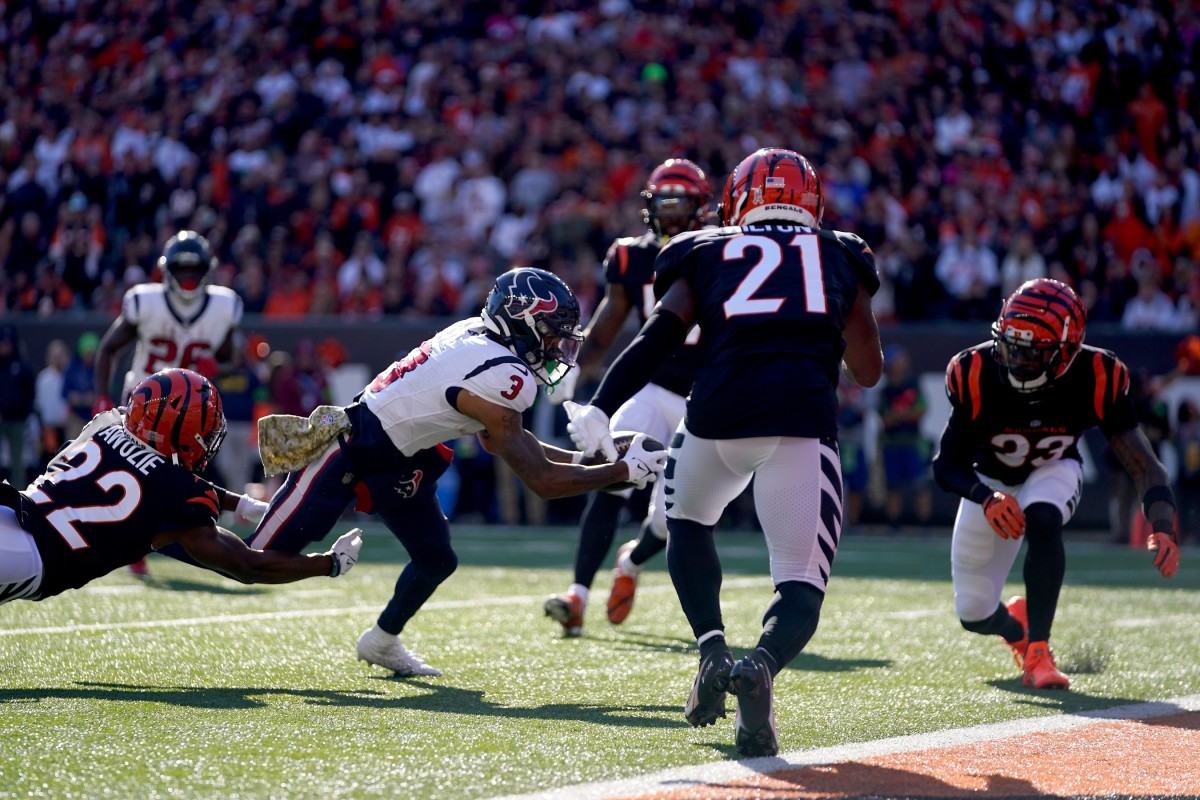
[(707, 699), (620, 599), (139, 568), (1040, 670), (1016, 608), (377, 646), (567, 610), (755, 733)]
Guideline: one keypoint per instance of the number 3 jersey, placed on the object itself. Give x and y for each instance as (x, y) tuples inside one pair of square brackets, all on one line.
[(173, 336), (101, 502), (772, 301), (415, 398), (1008, 434)]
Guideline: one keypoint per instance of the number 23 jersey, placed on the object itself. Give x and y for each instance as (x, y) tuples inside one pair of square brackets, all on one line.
[(1011, 433)]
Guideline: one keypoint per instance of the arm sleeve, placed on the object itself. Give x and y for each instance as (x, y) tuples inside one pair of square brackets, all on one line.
[(659, 338), (953, 468)]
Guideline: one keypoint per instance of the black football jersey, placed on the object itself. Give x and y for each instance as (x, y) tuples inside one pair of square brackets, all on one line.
[(629, 265), (772, 300), (101, 502), (1012, 433)]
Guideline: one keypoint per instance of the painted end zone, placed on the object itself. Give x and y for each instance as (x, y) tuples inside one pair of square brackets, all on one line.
[(1144, 750)]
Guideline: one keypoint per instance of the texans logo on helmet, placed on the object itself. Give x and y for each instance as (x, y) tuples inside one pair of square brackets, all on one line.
[(407, 487), (527, 305)]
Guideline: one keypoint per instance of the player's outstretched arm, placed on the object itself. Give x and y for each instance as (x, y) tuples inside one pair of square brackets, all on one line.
[(1133, 450), (863, 359), (220, 550), (504, 435), (118, 336)]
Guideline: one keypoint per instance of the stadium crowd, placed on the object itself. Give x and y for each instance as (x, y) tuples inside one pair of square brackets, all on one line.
[(392, 157)]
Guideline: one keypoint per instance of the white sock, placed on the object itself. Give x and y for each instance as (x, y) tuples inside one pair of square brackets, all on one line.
[(626, 566), (710, 635), (581, 591)]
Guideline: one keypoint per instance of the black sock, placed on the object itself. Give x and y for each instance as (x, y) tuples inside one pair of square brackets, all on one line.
[(596, 535), (712, 643), (696, 572), (790, 621), (647, 547), (1000, 623), (1045, 566)]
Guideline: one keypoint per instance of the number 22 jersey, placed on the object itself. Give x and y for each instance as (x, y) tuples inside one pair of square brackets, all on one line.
[(1009, 434), (101, 502)]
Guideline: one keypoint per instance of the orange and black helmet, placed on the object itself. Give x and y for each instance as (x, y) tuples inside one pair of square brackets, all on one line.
[(773, 184), (178, 413), (1039, 333), (677, 194)]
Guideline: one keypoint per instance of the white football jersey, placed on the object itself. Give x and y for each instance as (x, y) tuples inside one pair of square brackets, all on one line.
[(170, 336), (411, 397)]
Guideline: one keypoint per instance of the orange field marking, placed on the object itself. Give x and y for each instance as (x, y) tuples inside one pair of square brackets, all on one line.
[(1144, 750)]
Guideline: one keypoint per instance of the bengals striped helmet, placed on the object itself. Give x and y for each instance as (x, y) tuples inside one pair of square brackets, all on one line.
[(178, 413), (677, 194), (773, 184), (1038, 334)]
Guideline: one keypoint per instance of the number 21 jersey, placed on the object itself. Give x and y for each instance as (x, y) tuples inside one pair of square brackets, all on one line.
[(772, 300)]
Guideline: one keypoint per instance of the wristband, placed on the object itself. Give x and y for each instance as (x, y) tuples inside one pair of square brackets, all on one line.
[(336, 569), (980, 492), (1157, 494), (577, 457), (248, 507)]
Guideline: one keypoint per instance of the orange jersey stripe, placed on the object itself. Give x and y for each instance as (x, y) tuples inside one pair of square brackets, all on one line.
[(207, 501), (1101, 383), (973, 383), (623, 258)]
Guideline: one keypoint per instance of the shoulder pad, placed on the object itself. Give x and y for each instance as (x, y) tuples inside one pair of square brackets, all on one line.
[(963, 378)]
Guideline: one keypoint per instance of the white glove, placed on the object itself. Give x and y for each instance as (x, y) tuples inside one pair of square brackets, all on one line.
[(589, 430), (345, 552), (250, 509), (644, 465), (565, 389)]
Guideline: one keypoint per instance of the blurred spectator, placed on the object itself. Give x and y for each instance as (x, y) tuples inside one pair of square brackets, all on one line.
[(240, 389), (79, 383), (49, 401), (1150, 309), (1023, 263), (970, 275), (17, 380), (856, 470), (905, 451), (1187, 485)]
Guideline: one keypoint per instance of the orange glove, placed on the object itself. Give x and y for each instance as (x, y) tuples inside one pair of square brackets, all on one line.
[(103, 403), (1166, 550), (1004, 514)]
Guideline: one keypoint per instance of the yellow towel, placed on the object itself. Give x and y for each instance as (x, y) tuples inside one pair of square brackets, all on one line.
[(287, 443)]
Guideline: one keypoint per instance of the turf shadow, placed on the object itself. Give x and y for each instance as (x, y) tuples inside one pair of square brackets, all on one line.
[(435, 699), (1068, 701)]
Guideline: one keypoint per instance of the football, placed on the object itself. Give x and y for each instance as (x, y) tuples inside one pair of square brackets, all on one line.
[(622, 439)]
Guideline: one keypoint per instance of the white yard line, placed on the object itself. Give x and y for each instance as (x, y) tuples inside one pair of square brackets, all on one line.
[(722, 772), (514, 600)]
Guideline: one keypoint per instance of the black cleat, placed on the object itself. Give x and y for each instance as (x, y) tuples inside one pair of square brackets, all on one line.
[(754, 727), (707, 700)]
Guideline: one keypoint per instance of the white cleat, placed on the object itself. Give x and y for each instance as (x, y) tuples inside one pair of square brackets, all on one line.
[(377, 646)]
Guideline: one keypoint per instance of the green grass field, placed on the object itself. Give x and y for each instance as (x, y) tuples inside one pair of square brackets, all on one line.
[(195, 686)]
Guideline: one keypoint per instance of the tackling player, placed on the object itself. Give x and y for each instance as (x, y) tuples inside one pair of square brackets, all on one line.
[(182, 322), (476, 376), (128, 485), (1020, 403), (676, 195), (783, 305)]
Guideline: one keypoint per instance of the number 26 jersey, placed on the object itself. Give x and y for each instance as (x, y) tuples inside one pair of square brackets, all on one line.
[(1012, 433)]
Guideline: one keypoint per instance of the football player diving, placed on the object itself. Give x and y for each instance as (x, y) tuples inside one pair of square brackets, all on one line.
[(127, 485), (184, 321), (676, 196), (784, 306), (1020, 404), (383, 454)]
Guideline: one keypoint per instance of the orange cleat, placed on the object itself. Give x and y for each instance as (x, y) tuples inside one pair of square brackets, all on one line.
[(1040, 670), (567, 610), (139, 568), (1016, 607), (620, 599)]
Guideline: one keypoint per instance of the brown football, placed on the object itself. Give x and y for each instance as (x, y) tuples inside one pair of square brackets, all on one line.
[(622, 439)]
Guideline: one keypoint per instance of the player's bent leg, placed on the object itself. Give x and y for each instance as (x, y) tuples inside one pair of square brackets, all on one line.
[(790, 621), (308, 505), (422, 528), (1045, 567)]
